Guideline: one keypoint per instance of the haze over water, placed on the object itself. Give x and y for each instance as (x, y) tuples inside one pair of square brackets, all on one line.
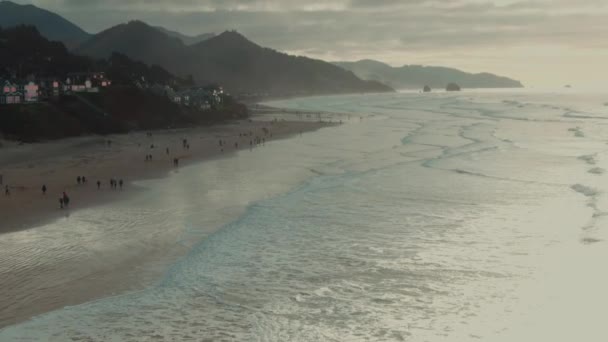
[(441, 217)]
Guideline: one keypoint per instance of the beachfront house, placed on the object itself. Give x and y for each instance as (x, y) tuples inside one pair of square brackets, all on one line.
[(10, 93), (202, 98), (90, 82), (31, 92)]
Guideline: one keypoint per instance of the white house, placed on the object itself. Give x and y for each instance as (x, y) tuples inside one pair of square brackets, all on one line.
[(31, 92), (89, 82)]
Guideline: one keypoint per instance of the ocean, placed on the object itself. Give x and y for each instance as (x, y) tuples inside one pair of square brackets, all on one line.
[(479, 215)]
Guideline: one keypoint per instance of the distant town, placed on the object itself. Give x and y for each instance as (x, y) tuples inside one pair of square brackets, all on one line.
[(16, 91)]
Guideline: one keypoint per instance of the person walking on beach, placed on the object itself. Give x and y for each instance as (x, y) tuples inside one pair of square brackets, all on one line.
[(120, 182), (61, 202), (66, 200), (44, 189), (167, 150), (7, 191), (98, 185), (78, 180), (83, 179)]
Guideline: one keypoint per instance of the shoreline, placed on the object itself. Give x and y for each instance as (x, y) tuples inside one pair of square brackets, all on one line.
[(31, 289), (92, 158)]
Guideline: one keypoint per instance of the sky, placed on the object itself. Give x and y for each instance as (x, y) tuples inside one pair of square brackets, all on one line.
[(543, 43)]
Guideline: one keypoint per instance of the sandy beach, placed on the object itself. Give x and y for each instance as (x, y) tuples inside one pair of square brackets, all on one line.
[(58, 164), (35, 289)]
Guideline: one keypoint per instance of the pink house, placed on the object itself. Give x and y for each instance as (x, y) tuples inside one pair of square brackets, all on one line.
[(10, 93)]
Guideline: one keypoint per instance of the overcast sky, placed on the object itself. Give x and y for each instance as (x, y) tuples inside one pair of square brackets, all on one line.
[(541, 42)]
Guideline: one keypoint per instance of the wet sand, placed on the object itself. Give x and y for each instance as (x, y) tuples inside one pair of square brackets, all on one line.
[(57, 165), (32, 289)]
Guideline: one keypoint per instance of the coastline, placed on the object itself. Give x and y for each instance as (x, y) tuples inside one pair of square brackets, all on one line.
[(57, 164), (27, 292)]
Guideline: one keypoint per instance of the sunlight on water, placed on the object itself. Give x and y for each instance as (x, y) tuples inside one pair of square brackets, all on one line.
[(424, 218)]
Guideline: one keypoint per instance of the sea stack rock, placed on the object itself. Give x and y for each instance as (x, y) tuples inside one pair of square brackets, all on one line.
[(426, 89), (452, 87)]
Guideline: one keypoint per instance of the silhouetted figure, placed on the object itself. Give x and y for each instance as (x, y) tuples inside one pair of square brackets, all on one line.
[(236, 145), (61, 202), (120, 182), (167, 150), (44, 189), (7, 191), (66, 200), (78, 180), (98, 185), (175, 162), (83, 179)]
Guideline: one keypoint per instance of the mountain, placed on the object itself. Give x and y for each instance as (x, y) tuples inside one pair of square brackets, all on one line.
[(136, 40), (24, 51), (417, 76), (188, 40), (122, 107), (50, 25), (229, 59)]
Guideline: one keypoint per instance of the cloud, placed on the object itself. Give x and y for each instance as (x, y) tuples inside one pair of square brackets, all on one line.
[(397, 31)]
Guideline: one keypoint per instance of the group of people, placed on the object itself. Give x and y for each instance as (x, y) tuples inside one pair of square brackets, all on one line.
[(64, 200), (113, 183)]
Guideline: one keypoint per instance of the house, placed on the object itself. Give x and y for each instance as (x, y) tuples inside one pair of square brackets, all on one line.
[(31, 92), (90, 82), (49, 87), (10, 93), (202, 98)]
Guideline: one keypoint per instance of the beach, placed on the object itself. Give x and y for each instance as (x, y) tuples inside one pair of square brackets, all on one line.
[(478, 215), (38, 287), (58, 164)]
